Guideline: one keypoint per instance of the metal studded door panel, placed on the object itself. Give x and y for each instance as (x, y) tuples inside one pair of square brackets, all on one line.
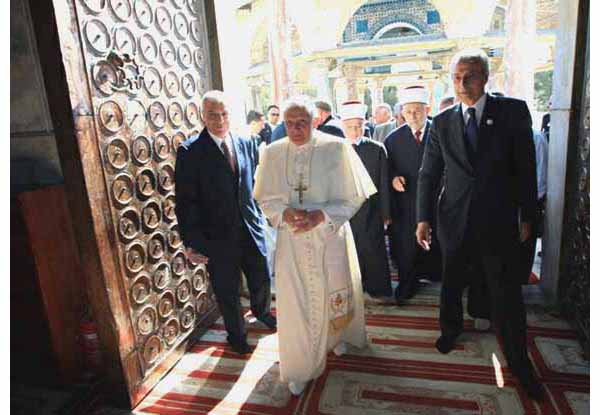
[(146, 66)]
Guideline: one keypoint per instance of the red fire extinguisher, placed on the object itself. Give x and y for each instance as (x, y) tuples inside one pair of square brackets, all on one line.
[(90, 345)]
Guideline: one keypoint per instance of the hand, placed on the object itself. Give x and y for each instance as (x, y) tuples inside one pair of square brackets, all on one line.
[(293, 216), (195, 257), (525, 231), (423, 235), (399, 184), (312, 220)]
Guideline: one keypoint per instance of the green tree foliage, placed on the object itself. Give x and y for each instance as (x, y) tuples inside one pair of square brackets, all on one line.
[(390, 95), (542, 90), (368, 102)]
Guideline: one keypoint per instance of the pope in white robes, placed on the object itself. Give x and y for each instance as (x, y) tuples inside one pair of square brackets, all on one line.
[(309, 185)]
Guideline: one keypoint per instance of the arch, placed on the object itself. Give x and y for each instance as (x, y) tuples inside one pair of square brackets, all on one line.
[(396, 25), (399, 19)]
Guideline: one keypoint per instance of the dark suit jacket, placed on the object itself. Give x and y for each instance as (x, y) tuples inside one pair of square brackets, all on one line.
[(265, 134), (546, 125), (404, 159), (279, 132), (489, 193), (370, 127), (374, 157), (213, 203), (331, 126)]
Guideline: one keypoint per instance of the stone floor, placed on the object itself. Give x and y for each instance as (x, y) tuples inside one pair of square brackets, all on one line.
[(27, 400)]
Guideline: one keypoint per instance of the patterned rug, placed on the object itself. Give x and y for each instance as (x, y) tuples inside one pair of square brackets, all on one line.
[(400, 372)]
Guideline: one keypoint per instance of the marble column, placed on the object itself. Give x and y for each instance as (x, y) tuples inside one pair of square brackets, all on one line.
[(351, 76), (361, 88), (280, 51), (562, 118), (341, 92), (430, 86), (497, 76), (520, 50), (319, 76), (376, 88)]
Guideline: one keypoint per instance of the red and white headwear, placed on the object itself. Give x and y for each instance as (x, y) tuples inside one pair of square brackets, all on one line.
[(353, 109), (414, 94)]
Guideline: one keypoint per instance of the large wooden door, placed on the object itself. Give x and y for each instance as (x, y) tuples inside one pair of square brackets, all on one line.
[(133, 71)]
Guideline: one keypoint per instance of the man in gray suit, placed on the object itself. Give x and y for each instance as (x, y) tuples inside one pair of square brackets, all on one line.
[(384, 129)]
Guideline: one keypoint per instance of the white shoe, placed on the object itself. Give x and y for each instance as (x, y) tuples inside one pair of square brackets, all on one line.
[(367, 298), (481, 324), (341, 349), (297, 387), (388, 299)]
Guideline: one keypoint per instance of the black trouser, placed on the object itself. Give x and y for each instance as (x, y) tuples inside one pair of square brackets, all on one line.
[(503, 293), (407, 258), (224, 271), (527, 251)]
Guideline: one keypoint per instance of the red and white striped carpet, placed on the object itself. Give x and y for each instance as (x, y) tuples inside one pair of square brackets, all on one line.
[(400, 372)]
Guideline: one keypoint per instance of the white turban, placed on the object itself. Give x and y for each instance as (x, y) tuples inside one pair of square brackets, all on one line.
[(414, 94), (353, 109)]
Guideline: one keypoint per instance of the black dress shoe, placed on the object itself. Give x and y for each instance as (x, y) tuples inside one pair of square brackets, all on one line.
[(400, 296), (269, 321), (239, 347), (445, 344), (533, 387)]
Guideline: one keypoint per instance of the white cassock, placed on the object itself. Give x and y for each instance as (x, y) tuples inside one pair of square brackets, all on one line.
[(268, 230), (319, 290)]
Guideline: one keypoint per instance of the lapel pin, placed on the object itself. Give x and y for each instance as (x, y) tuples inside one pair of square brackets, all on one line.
[(489, 121)]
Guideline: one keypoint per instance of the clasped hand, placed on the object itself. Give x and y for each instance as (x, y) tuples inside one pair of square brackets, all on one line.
[(301, 220)]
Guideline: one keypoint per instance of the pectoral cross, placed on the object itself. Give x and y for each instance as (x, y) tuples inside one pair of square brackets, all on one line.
[(300, 189)]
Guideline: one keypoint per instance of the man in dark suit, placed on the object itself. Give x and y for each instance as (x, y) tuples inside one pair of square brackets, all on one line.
[(279, 132), (484, 150), (405, 146), (269, 127), (325, 121), (256, 124), (546, 121), (220, 223)]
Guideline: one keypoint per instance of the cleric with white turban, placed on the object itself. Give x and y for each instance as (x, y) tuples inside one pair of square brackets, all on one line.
[(368, 223)]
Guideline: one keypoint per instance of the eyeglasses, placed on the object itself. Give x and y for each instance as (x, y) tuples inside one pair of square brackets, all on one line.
[(274, 114)]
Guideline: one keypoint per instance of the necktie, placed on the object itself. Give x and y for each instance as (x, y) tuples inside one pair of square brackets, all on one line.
[(228, 157), (418, 136), (471, 131)]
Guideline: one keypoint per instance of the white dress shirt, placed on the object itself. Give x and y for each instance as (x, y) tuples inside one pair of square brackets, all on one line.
[(422, 129), (219, 141), (479, 106)]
